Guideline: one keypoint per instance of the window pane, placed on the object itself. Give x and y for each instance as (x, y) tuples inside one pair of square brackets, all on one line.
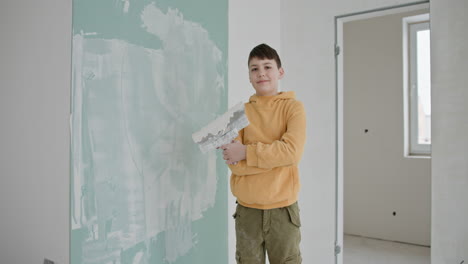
[(424, 86)]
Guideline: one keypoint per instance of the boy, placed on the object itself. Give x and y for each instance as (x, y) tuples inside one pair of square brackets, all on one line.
[(263, 160)]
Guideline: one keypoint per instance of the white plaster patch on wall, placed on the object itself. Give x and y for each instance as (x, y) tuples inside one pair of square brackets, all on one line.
[(158, 23), (77, 103), (126, 5), (148, 176), (184, 38)]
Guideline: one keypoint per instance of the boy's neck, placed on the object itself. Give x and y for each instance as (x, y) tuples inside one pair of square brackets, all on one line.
[(271, 94)]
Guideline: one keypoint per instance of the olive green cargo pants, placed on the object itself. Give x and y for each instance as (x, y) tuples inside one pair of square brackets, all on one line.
[(275, 231)]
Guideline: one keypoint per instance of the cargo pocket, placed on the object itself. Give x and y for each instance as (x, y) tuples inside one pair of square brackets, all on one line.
[(296, 259), (293, 211), (236, 213), (238, 260)]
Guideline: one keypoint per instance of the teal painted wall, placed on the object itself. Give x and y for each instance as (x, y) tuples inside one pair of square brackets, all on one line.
[(146, 75)]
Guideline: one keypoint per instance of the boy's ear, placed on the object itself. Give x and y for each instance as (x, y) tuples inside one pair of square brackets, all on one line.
[(281, 72)]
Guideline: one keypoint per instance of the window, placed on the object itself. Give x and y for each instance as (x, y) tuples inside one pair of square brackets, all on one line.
[(417, 85)]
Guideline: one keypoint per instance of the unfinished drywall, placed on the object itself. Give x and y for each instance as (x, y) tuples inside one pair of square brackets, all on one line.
[(146, 76)]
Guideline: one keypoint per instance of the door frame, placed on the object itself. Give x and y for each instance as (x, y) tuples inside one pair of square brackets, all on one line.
[(339, 103)]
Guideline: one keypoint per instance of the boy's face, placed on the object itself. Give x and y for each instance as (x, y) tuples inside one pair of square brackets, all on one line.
[(264, 76)]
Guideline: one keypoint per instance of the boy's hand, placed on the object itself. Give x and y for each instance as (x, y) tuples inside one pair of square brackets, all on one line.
[(234, 152)]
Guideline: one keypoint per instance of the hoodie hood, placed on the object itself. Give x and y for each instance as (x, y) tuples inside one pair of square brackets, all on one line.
[(272, 98)]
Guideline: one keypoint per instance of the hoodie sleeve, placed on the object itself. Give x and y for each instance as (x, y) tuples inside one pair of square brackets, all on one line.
[(241, 168), (287, 150)]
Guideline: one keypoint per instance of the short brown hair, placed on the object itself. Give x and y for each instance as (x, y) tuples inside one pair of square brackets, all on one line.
[(263, 51)]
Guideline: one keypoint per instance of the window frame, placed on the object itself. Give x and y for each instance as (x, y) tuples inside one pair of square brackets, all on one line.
[(411, 25)]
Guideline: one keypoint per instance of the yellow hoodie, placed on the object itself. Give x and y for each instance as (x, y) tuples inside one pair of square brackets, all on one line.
[(268, 177)]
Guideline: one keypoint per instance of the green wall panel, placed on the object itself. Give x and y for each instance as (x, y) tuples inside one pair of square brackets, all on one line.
[(146, 75)]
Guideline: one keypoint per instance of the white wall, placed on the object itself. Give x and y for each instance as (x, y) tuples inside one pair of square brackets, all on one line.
[(250, 23), (307, 45), (35, 51), (378, 178), (449, 61)]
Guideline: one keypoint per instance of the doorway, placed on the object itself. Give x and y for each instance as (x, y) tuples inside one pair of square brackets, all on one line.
[(383, 193)]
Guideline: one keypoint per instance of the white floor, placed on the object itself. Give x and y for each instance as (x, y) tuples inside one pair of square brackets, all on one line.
[(360, 250)]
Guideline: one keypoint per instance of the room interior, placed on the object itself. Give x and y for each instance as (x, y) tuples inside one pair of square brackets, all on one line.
[(36, 103)]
